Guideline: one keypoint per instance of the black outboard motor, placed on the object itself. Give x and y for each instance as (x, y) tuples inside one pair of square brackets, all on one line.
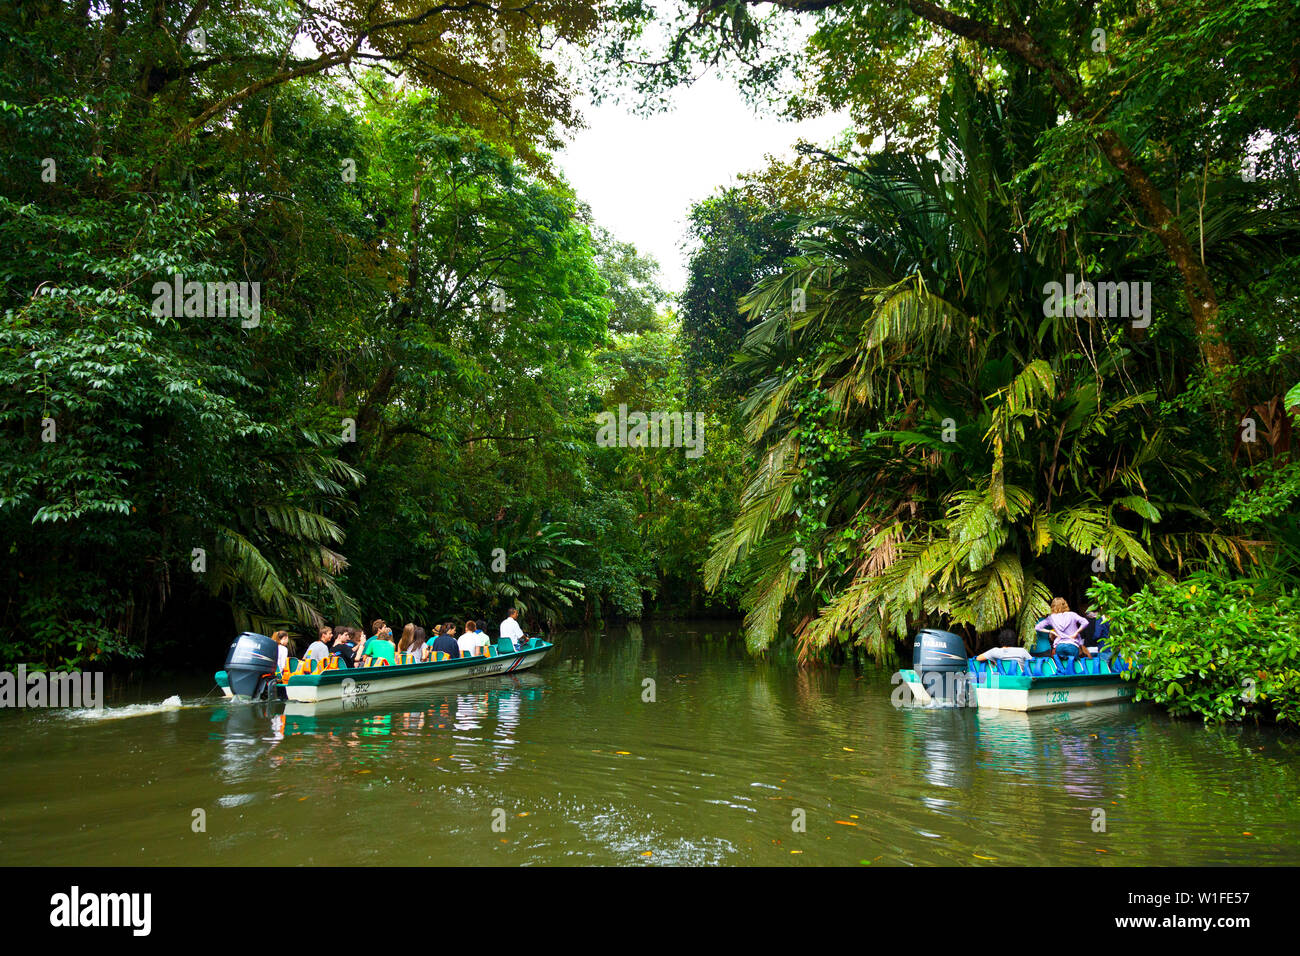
[(250, 666), (939, 659)]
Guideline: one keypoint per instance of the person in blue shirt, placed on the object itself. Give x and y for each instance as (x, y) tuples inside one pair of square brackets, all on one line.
[(444, 641), (1097, 632)]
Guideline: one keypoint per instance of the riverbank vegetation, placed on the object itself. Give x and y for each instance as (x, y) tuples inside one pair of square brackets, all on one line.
[(1208, 646), (915, 410)]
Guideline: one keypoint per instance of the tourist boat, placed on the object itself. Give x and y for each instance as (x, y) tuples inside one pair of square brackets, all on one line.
[(250, 672), (944, 674)]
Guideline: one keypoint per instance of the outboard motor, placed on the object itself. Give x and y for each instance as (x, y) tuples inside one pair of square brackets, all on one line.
[(939, 659), (250, 666)]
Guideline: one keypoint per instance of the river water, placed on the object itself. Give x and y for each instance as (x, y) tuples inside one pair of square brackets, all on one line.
[(735, 761)]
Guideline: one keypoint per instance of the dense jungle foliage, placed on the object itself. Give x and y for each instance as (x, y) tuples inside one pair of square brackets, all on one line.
[(920, 404)]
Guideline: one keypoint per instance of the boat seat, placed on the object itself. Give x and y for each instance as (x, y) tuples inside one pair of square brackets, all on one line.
[(1067, 658), (978, 669), (1044, 667), (505, 646)]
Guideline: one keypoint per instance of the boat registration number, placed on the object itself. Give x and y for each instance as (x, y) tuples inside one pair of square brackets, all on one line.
[(1058, 696), (354, 694)]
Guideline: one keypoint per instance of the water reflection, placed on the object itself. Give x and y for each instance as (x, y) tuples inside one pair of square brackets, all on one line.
[(463, 715), (711, 771)]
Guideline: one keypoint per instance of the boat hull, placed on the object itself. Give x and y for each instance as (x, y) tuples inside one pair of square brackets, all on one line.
[(1001, 692), (355, 682)]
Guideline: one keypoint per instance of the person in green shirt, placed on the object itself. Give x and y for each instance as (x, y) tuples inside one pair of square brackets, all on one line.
[(381, 646)]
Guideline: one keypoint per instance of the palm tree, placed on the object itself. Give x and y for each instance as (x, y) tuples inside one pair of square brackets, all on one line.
[(933, 447), (527, 566)]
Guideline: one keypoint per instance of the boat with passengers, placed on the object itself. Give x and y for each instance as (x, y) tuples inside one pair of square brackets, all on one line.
[(942, 673), (250, 671)]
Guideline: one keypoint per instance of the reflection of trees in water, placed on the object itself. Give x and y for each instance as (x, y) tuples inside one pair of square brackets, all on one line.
[(1209, 785), (1171, 793), (345, 739), (620, 654)]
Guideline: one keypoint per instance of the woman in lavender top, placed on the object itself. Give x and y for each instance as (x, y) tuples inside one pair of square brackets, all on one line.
[(1066, 626)]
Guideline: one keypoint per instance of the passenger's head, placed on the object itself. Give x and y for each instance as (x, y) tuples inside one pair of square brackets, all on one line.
[(281, 637), (1059, 605), (418, 637), (1007, 638), (327, 634), (469, 627), (408, 633), (513, 612), (377, 625), (479, 625)]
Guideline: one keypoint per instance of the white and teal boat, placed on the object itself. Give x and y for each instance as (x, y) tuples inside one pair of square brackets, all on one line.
[(944, 674), (247, 676)]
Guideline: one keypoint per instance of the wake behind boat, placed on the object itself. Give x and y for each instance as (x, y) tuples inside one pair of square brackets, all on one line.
[(250, 672)]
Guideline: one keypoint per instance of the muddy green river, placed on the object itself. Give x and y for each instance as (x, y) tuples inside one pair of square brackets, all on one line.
[(734, 761)]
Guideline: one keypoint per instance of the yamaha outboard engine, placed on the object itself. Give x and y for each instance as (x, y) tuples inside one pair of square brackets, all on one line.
[(939, 659), (250, 666)]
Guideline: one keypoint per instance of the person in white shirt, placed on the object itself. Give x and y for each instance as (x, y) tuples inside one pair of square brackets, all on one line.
[(1009, 651), (510, 627), (471, 641), (281, 639)]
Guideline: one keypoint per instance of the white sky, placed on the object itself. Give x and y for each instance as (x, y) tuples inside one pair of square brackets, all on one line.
[(640, 175)]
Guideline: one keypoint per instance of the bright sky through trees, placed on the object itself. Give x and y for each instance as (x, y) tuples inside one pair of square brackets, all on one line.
[(641, 174)]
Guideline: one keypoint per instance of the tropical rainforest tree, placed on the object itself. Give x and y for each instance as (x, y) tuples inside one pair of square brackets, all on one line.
[(1224, 89), (935, 445), (414, 382)]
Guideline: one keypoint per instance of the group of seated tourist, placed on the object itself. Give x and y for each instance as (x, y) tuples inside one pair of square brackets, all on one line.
[(1071, 635), (353, 649)]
